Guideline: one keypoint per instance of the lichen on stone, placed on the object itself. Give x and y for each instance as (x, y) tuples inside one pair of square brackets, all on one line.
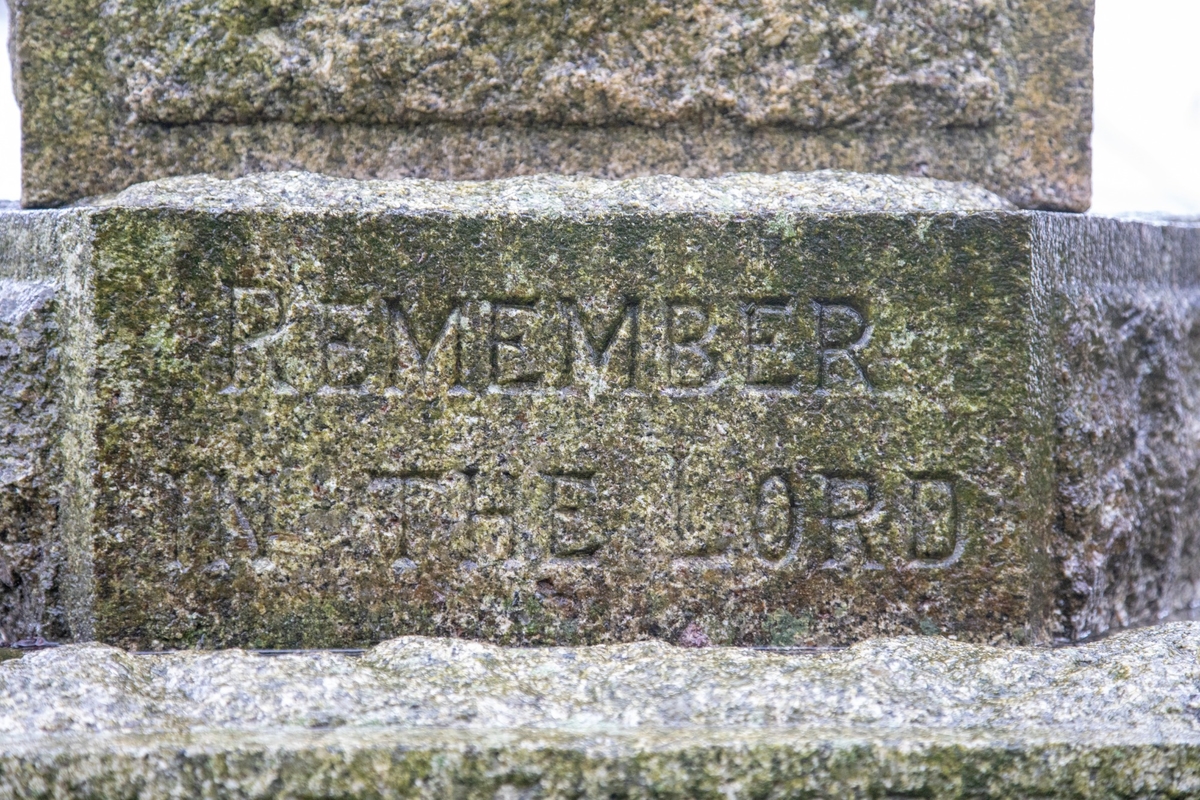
[(995, 92), (788, 409)]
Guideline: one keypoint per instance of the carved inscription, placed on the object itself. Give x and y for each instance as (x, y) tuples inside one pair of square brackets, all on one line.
[(610, 358), (930, 513), (775, 521), (774, 345), (576, 531), (850, 526), (697, 505), (463, 513), (689, 334), (516, 364), (842, 521), (438, 362), (822, 520), (679, 347), (843, 333)]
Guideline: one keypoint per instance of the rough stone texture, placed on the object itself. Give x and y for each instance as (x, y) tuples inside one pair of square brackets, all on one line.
[(1125, 457), (28, 413), (994, 91), (789, 410), (39, 397), (908, 717)]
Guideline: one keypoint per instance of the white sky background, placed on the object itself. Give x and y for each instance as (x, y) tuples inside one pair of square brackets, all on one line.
[(10, 139), (1146, 140), (1146, 145)]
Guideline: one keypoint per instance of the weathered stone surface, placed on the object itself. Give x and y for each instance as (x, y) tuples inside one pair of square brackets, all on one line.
[(28, 416), (797, 409), (998, 92), (915, 716), (43, 381)]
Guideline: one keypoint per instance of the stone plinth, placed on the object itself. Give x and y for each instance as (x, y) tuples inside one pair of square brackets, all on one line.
[(917, 716), (294, 411), (117, 92)]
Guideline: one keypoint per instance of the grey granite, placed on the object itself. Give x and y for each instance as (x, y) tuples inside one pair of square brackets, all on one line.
[(417, 717), (825, 192)]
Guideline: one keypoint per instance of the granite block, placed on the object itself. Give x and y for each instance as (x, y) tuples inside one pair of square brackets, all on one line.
[(762, 409)]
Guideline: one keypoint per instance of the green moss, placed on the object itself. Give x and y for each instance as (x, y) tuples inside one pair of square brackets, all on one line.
[(277, 538), (649, 407), (784, 628)]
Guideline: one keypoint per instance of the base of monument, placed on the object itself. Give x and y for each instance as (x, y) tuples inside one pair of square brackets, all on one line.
[(293, 411), (416, 717)]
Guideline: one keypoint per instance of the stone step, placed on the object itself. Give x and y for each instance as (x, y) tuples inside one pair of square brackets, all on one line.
[(414, 717), (299, 411), (117, 92)]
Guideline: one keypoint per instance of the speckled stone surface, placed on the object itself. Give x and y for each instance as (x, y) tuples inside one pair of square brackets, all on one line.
[(414, 717), (997, 92), (300, 411), (824, 192)]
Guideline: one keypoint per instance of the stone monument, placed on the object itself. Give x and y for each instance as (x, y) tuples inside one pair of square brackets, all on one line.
[(744, 407), (991, 91), (292, 411)]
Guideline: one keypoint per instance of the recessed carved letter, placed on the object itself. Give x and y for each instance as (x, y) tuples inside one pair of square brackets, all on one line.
[(842, 332), (515, 363), (773, 360), (852, 530), (930, 516), (441, 362), (607, 360), (688, 333), (774, 523), (576, 532)]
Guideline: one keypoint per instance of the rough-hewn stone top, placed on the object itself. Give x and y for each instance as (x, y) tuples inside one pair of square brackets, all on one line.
[(829, 191), (415, 717), (1143, 682)]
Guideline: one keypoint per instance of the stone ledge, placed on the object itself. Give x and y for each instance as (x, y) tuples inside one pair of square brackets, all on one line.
[(560, 196), (415, 717), (538, 764)]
